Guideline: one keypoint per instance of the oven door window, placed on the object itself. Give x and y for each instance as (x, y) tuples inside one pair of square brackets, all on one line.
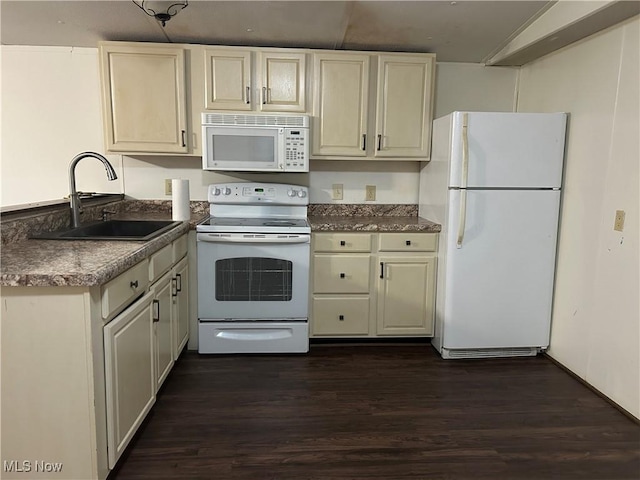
[(253, 279)]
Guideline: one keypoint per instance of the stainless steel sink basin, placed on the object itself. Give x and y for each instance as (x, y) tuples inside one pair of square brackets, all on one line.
[(141, 230)]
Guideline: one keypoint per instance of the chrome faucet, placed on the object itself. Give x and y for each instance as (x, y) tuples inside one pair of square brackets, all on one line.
[(76, 207)]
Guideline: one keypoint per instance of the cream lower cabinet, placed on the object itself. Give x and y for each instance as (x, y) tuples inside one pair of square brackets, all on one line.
[(373, 284), (81, 365), (405, 291), (180, 305), (129, 373), (162, 314)]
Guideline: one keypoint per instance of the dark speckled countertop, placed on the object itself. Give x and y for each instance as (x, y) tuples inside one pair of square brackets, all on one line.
[(83, 263), (372, 224), (368, 218)]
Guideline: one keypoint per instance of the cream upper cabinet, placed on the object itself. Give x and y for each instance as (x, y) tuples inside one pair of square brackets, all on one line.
[(404, 105), (341, 104), (144, 99), (394, 122), (281, 81), (227, 79)]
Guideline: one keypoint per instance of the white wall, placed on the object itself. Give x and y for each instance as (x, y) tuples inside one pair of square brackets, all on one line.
[(474, 87), (596, 321), (51, 111)]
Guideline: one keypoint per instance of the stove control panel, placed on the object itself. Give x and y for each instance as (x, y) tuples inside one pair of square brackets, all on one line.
[(258, 193)]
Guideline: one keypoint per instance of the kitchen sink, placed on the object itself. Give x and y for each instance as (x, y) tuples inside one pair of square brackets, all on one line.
[(141, 230)]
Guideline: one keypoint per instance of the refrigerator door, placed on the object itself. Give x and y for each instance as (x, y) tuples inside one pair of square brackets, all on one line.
[(507, 150), (499, 282)]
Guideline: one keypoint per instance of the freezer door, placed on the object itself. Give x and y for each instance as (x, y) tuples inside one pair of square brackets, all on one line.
[(507, 150), (499, 282)]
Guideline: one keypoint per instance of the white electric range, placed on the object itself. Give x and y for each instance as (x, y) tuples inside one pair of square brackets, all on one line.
[(253, 269)]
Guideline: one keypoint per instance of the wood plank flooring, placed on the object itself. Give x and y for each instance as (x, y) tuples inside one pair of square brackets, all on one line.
[(378, 412)]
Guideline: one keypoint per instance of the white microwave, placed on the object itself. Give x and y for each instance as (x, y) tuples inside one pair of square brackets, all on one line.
[(255, 142)]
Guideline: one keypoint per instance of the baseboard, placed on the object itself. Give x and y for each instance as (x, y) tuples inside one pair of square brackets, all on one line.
[(617, 406)]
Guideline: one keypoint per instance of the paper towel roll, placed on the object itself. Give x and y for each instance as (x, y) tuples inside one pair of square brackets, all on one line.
[(180, 199)]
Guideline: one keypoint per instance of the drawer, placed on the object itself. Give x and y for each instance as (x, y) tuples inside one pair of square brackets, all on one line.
[(344, 315), (119, 292), (160, 262), (408, 242), (180, 246), (342, 242), (341, 273)]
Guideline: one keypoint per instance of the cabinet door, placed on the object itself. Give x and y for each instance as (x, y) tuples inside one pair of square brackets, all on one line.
[(282, 82), (227, 79), (406, 295), (403, 115), (163, 328), (180, 306), (129, 374), (144, 99), (342, 89)]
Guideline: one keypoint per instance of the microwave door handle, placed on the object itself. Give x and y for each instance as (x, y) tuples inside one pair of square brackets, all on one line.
[(203, 237)]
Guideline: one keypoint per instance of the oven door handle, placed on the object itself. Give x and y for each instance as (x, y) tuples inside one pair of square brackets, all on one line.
[(203, 237)]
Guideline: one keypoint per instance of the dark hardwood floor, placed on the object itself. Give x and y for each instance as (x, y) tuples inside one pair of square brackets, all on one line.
[(379, 412)]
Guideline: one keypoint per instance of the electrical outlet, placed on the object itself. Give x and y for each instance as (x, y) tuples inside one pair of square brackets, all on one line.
[(618, 224), (370, 194), (167, 186), (337, 193)]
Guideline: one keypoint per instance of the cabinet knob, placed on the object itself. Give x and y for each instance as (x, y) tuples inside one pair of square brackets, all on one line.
[(341, 317), (134, 284), (342, 243), (408, 242), (342, 275)]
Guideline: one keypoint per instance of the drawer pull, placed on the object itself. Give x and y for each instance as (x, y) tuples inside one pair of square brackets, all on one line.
[(156, 310), (408, 242), (342, 275), (342, 243), (341, 317), (381, 269), (134, 284)]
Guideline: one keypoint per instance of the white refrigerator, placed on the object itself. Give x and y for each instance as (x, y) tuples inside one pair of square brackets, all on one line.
[(493, 183)]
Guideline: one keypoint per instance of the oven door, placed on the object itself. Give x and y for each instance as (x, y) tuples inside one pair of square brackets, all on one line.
[(253, 276)]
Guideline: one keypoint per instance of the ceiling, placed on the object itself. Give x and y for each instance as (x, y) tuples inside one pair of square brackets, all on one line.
[(456, 31)]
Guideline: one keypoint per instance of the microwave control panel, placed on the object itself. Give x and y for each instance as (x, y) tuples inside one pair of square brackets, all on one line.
[(296, 149)]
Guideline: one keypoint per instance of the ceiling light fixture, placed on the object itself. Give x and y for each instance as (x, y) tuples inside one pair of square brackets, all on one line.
[(162, 11)]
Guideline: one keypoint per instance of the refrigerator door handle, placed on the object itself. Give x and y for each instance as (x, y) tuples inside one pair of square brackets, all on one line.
[(463, 218), (465, 151)]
